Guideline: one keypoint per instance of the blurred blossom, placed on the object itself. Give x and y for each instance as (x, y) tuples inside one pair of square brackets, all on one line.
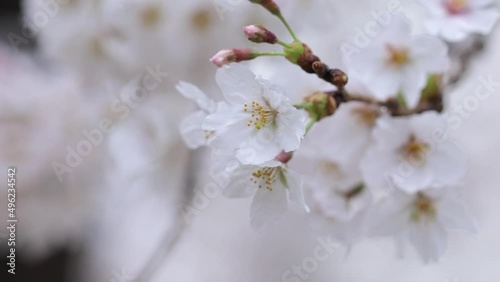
[(349, 133), (454, 20), (423, 219), (396, 62), (41, 115), (405, 150)]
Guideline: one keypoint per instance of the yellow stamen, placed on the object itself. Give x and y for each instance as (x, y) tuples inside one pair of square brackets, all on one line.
[(423, 208), (397, 56), (415, 150), (265, 176), (261, 115), (366, 115)]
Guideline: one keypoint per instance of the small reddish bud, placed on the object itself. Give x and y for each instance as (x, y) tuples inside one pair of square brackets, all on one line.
[(339, 78), (225, 57), (259, 34), (284, 157), (269, 5)]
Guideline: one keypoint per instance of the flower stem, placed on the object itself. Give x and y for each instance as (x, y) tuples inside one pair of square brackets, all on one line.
[(310, 124), (260, 54), (402, 101), (288, 27), (284, 44)]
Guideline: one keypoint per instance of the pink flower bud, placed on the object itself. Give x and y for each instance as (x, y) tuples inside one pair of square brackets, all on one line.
[(259, 34), (284, 157), (225, 57), (269, 5)]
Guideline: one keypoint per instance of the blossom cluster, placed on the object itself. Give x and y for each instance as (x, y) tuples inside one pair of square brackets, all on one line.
[(370, 155)]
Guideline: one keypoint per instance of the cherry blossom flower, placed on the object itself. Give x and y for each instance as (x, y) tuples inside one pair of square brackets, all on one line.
[(270, 184), (335, 190), (397, 62), (338, 192), (258, 119), (455, 19), (422, 219), (413, 152), (347, 133)]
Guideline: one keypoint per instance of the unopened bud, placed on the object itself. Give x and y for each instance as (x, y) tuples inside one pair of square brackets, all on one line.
[(320, 105), (284, 157), (339, 78), (269, 5), (259, 34), (225, 57), (296, 52)]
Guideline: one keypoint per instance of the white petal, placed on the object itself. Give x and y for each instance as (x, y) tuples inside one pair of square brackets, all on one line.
[(238, 83), (398, 33), (481, 21), (194, 93), (257, 150), (221, 118), (413, 83), (388, 217), (191, 130), (424, 125), (377, 167), (453, 215), (430, 54), (430, 241), (449, 29), (290, 129), (274, 95), (480, 3), (386, 83), (346, 139), (412, 178), (448, 162), (230, 136), (391, 133), (295, 189), (437, 8), (268, 206), (240, 185)]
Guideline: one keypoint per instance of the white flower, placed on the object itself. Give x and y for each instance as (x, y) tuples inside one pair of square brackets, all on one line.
[(338, 192), (455, 19), (423, 219), (269, 185), (345, 136), (258, 119), (413, 152), (337, 196), (191, 127), (398, 62)]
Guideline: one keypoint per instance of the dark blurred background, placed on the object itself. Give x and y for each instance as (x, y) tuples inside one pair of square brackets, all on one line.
[(52, 268)]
